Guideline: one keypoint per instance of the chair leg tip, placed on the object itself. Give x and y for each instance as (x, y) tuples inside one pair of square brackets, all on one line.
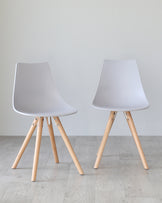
[(33, 179), (96, 166), (13, 167), (81, 173)]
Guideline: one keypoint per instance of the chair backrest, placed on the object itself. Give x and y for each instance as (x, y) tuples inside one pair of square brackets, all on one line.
[(34, 88), (120, 86)]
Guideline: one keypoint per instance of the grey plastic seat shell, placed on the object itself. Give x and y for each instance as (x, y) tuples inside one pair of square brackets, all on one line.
[(35, 92), (120, 87)]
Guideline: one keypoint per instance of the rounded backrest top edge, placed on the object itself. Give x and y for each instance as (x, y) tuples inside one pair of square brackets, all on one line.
[(32, 63)]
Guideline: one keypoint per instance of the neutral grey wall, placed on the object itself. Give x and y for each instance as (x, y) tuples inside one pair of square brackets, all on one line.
[(75, 36)]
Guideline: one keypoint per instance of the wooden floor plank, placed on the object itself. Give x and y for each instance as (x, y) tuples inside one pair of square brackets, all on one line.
[(119, 178)]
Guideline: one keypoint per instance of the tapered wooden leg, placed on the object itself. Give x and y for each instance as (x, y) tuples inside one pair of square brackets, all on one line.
[(37, 148), (136, 138), (68, 145), (53, 143), (25, 143), (104, 139)]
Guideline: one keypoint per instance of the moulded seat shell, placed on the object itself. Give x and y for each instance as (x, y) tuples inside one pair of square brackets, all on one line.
[(35, 92), (120, 87)]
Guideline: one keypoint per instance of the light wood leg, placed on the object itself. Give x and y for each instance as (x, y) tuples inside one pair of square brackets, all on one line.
[(25, 143), (52, 137), (104, 139), (68, 145), (136, 138), (37, 148)]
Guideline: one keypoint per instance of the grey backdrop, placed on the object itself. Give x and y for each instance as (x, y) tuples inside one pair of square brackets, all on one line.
[(75, 36)]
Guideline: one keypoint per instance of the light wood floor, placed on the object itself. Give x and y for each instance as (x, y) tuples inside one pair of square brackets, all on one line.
[(120, 177)]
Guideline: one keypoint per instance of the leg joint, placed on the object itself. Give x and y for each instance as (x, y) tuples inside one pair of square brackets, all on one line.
[(114, 115), (126, 115)]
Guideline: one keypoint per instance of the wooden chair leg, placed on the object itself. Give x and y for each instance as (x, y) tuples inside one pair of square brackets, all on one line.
[(25, 143), (68, 145), (37, 148), (52, 137), (136, 138), (104, 139)]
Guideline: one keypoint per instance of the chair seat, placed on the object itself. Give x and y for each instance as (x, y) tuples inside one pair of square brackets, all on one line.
[(35, 93), (120, 87), (121, 108), (47, 112)]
